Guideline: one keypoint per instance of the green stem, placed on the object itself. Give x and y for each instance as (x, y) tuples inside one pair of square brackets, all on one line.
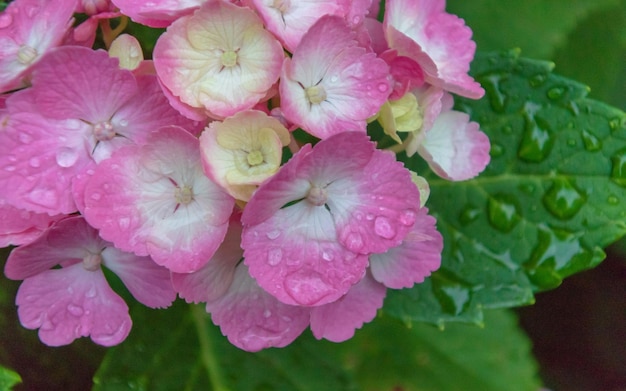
[(207, 349)]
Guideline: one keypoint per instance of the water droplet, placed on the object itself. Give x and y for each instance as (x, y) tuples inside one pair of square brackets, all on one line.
[(5, 20), (408, 217), (563, 199), (557, 251), (274, 256), (537, 140), (66, 157), (452, 294), (75, 310), (354, 241), (25, 138), (618, 171), (9, 168), (613, 200), (469, 214), (334, 79), (503, 212), (91, 293), (496, 150), (306, 287), (273, 234), (327, 255), (527, 188), (615, 123), (571, 142), (507, 129), (591, 142), (267, 313), (123, 223), (383, 87), (34, 162), (123, 123), (46, 198), (491, 84), (384, 228), (555, 93), (96, 196), (537, 80)]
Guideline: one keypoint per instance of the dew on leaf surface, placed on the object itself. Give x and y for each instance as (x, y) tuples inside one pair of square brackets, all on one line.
[(591, 142), (563, 200), (503, 212), (537, 140), (618, 170)]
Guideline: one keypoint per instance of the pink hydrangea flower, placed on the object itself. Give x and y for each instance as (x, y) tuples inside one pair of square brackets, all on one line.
[(159, 13), (309, 229), (29, 29), (81, 107), (219, 59), (440, 42), (331, 84), (19, 226), (75, 300), (289, 20), (155, 200)]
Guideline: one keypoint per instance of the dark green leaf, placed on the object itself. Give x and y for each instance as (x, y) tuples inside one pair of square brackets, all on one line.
[(8, 379), (551, 199), (180, 349), (386, 355)]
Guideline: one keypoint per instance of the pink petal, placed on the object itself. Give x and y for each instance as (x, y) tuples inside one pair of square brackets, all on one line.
[(337, 321), (69, 303), (157, 14), (155, 200), (443, 37), (455, 148), (148, 282), (347, 84), (66, 241), (412, 261), (213, 280), (374, 210), (19, 226), (252, 319), (295, 256)]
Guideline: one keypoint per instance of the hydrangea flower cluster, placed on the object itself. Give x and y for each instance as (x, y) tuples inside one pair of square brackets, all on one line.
[(186, 174)]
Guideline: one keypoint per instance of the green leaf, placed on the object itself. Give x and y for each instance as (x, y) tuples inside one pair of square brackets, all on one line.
[(180, 349), (551, 199), (538, 27), (8, 379), (386, 355)]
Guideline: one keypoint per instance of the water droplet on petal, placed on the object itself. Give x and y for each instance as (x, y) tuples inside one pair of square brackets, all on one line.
[(618, 171), (274, 256), (66, 157), (382, 87), (267, 313), (503, 212), (384, 228), (124, 223), (96, 196), (9, 168), (91, 293), (354, 241), (5, 20), (273, 234), (327, 256), (25, 138), (408, 217), (47, 198), (591, 142), (34, 162), (307, 288), (75, 310), (563, 199)]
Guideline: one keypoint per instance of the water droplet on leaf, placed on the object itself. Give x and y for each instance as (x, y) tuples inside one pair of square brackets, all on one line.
[(496, 150), (537, 80), (453, 295), (503, 212), (469, 214), (591, 142), (555, 93), (563, 199), (618, 171), (537, 140), (497, 98), (613, 200)]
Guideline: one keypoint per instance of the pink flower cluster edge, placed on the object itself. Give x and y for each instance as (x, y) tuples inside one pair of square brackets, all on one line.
[(184, 175)]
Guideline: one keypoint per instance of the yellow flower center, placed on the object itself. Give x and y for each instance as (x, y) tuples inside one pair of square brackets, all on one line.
[(255, 158), (316, 94), (229, 59), (184, 195)]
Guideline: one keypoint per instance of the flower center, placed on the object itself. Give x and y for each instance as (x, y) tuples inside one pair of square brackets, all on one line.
[(316, 94), (184, 195), (103, 131), (26, 55), (255, 158), (317, 196), (229, 59), (92, 261)]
